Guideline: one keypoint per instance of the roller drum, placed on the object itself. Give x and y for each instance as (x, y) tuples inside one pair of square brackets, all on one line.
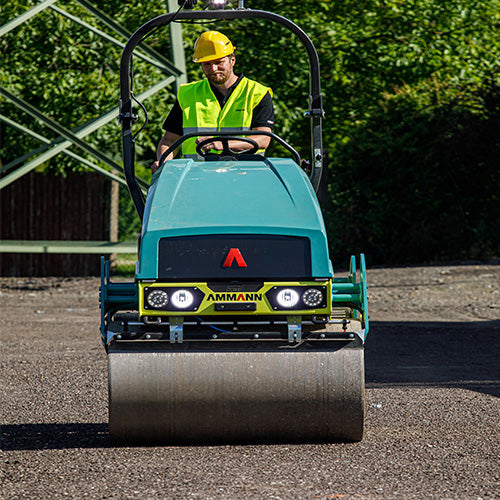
[(168, 395)]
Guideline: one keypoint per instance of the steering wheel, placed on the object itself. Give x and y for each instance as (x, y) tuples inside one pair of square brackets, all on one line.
[(226, 150)]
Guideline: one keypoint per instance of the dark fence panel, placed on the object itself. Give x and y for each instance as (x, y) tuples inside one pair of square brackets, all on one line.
[(52, 207)]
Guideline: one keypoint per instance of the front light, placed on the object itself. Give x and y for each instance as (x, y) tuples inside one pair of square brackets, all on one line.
[(157, 298), (182, 299), (312, 297), (218, 4), (287, 298)]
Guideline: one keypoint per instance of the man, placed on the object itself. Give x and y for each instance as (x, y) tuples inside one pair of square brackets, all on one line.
[(222, 101)]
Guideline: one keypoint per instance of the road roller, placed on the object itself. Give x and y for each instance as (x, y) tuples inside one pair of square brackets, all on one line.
[(235, 328)]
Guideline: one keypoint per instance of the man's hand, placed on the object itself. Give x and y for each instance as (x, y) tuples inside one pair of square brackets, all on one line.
[(236, 145), (217, 145)]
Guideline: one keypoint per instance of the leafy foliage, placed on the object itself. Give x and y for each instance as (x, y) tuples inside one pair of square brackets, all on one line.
[(411, 97)]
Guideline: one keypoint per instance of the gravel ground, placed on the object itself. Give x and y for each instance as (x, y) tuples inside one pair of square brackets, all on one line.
[(432, 401)]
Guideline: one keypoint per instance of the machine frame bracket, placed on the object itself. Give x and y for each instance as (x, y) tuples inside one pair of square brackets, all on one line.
[(111, 335), (176, 329), (361, 334), (294, 328)]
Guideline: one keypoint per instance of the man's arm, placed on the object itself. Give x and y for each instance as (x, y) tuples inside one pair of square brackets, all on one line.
[(166, 141), (173, 130), (262, 140)]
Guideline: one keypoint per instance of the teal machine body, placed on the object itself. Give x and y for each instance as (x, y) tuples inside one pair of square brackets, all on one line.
[(235, 327)]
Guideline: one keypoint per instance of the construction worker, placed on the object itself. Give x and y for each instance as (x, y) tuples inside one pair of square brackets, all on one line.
[(222, 101)]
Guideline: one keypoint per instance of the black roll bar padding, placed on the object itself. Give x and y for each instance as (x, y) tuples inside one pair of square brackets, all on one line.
[(277, 138), (315, 99)]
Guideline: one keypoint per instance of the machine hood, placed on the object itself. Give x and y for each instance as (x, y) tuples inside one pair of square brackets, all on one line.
[(271, 197), (190, 195)]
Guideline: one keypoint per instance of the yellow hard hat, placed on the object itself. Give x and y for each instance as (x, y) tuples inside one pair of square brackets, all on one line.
[(212, 45)]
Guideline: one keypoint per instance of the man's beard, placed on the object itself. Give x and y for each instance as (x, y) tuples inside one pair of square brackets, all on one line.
[(219, 78)]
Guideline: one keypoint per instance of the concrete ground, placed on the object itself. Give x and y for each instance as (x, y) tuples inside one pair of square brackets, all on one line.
[(432, 403)]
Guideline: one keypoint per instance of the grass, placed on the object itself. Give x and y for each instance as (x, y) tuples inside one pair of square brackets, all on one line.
[(125, 265)]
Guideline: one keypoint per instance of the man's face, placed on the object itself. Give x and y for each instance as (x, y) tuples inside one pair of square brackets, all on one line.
[(219, 71)]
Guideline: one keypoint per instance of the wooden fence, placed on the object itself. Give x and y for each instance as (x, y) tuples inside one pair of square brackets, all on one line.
[(77, 206)]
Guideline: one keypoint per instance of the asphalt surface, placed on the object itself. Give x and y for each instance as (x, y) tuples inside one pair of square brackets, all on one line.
[(432, 404)]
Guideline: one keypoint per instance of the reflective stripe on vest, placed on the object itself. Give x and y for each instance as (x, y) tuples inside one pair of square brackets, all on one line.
[(202, 112)]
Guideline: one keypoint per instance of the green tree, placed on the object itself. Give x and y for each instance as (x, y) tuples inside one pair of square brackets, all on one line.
[(411, 98)]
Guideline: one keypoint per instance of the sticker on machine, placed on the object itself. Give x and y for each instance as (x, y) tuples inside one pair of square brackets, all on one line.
[(234, 297), (234, 255)]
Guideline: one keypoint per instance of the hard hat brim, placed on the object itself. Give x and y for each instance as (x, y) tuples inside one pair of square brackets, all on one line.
[(209, 58)]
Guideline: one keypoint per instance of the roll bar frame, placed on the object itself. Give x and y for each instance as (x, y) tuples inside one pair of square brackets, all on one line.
[(126, 117)]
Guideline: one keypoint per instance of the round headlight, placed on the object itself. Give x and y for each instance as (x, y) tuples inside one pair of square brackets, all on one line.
[(312, 297), (157, 298), (182, 299), (287, 298)]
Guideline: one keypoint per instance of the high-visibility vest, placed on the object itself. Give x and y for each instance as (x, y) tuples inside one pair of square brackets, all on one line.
[(201, 111)]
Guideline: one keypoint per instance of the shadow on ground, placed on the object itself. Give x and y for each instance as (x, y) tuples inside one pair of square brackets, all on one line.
[(434, 354), (53, 436), (399, 354)]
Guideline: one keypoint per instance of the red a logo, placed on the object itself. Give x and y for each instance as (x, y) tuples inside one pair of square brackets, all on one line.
[(234, 253)]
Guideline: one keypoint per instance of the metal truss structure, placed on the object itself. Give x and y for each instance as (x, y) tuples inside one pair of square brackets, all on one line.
[(174, 74)]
